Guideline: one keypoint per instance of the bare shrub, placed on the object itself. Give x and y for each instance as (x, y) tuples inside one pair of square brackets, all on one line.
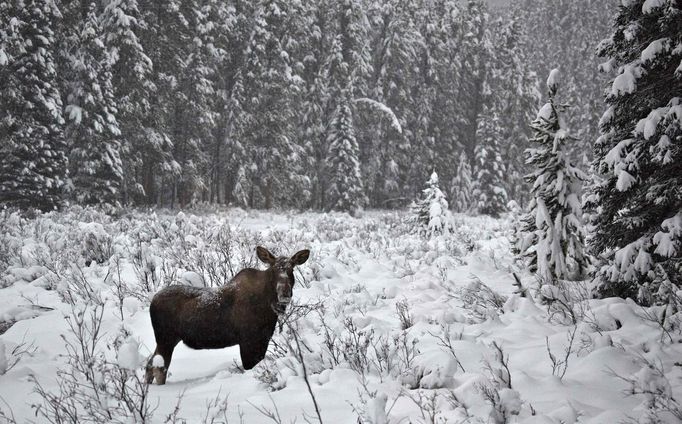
[(402, 308), (560, 364), (446, 341), (91, 387), (498, 369), (653, 386), (10, 359), (7, 415), (478, 299), (75, 288)]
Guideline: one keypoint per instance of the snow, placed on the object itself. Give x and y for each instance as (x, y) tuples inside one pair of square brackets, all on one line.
[(625, 83), (654, 49), (359, 270), (625, 180), (158, 362), (129, 355), (192, 278), (395, 122), (650, 5), (545, 112), (553, 80), (667, 241)]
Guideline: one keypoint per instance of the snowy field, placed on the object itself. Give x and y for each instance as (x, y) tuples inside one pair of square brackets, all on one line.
[(392, 328)]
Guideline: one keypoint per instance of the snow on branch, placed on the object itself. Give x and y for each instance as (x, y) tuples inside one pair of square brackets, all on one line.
[(395, 123)]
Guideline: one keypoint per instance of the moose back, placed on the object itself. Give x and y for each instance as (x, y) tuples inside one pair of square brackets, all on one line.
[(243, 312)]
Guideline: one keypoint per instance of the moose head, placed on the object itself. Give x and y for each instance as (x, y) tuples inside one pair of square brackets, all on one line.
[(282, 269)]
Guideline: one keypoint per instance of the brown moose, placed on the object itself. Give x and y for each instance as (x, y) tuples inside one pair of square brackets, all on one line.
[(242, 312)]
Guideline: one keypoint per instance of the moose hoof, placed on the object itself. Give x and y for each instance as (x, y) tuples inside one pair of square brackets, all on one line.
[(160, 376)]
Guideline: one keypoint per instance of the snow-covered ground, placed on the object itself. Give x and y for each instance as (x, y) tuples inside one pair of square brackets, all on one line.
[(393, 328)]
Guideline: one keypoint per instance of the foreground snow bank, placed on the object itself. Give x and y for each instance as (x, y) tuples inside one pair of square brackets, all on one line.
[(390, 327)]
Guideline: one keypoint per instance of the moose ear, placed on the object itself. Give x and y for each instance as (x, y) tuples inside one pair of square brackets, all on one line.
[(265, 255), (300, 257)]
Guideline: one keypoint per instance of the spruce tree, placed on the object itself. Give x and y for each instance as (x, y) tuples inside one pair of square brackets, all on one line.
[(439, 74), (568, 32), (131, 78), (91, 130), (489, 195), (271, 88), (32, 148), (194, 117), (552, 234), (346, 192), (346, 70), (393, 156), (514, 88), (638, 234), (430, 214), (475, 53), (462, 185)]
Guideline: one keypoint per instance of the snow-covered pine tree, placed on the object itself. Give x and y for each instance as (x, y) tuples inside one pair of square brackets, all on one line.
[(638, 157), (131, 71), (430, 214), (552, 234), (514, 88), (315, 40), (91, 129), (580, 24), (489, 195), (194, 117), (393, 156), (346, 192), (475, 53), (236, 155), (346, 69), (271, 89), (33, 158), (462, 185), (436, 99)]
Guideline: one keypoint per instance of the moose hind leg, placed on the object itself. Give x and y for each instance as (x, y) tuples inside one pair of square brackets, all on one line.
[(149, 371), (157, 367)]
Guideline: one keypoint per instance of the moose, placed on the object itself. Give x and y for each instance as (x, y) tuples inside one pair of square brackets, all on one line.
[(243, 312)]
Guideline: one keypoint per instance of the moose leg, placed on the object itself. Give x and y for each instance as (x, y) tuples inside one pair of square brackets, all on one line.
[(149, 371), (159, 371), (252, 353)]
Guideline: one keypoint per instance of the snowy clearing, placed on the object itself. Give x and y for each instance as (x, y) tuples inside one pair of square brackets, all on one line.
[(393, 328)]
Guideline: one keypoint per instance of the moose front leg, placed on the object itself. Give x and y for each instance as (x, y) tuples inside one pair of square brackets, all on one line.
[(252, 352)]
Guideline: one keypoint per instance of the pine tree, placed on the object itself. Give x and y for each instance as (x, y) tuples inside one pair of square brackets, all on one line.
[(92, 129), (638, 157), (475, 52), (462, 185), (393, 155), (32, 148), (131, 78), (271, 88), (345, 71), (430, 214), (489, 195), (552, 233), (438, 111), (515, 97), (194, 116), (346, 191), (567, 32)]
